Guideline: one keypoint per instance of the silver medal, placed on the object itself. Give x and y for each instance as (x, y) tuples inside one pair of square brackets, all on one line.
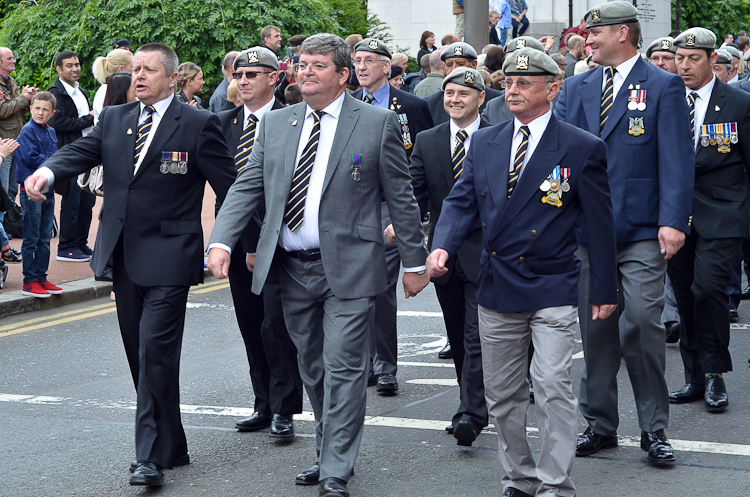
[(356, 175), (704, 141), (734, 138), (565, 186), (632, 105), (183, 168), (545, 186), (173, 168), (642, 106), (164, 168)]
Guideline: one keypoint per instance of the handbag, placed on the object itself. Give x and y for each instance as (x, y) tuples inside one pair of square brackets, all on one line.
[(92, 181)]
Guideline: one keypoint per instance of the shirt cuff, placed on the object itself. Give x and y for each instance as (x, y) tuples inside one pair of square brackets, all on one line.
[(47, 173), (415, 269), (220, 246), (250, 253)]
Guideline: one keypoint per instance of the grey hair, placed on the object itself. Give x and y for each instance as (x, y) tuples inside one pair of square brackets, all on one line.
[(168, 57), (327, 43)]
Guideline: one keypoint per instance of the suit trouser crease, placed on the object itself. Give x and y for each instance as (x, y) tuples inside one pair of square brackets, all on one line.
[(383, 335)]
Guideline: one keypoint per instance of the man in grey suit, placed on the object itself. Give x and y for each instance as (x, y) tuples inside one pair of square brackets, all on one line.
[(322, 239)]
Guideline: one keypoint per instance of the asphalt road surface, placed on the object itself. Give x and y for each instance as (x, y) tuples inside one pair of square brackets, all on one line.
[(67, 411)]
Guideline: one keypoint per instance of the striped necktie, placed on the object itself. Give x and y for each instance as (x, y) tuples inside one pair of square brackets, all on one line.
[(691, 107), (245, 146), (459, 154), (518, 162), (143, 130), (607, 97), (369, 98), (295, 207)]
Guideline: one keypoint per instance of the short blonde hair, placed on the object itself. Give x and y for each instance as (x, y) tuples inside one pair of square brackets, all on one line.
[(185, 73), (232, 91), (105, 67)]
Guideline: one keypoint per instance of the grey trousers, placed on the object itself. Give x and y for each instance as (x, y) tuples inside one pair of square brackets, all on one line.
[(333, 348), (635, 333), (505, 344)]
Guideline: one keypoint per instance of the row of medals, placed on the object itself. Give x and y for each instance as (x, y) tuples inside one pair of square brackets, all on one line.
[(554, 186), (723, 142)]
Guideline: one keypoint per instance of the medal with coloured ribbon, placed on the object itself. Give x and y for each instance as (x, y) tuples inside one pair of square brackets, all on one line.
[(174, 163), (555, 185)]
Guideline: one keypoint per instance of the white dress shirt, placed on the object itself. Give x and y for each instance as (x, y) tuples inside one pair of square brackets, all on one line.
[(82, 105), (470, 130), (258, 113), (701, 106), (623, 70), (536, 130)]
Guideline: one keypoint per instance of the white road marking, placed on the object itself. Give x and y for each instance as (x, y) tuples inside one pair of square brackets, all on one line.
[(578, 355), (419, 314), (447, 382), (427, 364)]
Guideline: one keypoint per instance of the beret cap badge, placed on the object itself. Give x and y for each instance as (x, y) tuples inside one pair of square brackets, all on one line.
[(469, 78), (665, 44), (690, 41), (373, 44), (520, 44), (252, 58), (522, 63), (458, 51), (596, 16)]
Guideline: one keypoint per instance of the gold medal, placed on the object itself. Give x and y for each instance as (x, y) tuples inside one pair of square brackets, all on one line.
[(712, 141), (726, 140), (554, 185)]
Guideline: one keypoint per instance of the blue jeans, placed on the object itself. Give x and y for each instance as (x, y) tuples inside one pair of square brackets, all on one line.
[(75, 218), (37, 230), (519, 32), (503, 35), (7, 173)]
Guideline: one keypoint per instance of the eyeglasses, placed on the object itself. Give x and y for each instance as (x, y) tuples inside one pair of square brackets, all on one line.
[(249, 74), (317, 67), (367, 62), (521, 84)]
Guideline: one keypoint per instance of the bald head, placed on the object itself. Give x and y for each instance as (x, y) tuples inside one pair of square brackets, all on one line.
[(576, 46), (436, 65), (7, 62)]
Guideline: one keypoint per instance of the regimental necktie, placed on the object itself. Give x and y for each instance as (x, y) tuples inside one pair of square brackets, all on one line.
[(143, 130), (691, 107), (607, 97), (459, 154), (518, 162), (247, 140), (369, 98), (295, 207)]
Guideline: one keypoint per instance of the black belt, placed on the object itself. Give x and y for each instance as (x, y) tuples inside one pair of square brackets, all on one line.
[(303, 255)]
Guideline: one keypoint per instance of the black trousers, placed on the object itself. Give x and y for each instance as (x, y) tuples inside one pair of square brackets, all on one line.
[(700, 273), (152, 321)]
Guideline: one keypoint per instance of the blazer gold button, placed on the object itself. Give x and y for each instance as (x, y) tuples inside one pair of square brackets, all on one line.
[(493, 254), (484, 225), (521, 259), (533, 232), (483, 194)]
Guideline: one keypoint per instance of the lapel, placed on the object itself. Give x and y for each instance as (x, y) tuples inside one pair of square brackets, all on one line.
[(294, 132), (167, 126), (497, 154), (718, 99), (546, 156), (238, 122), (592, 86), (131, 123), (637, 75), (347, 120), (444, 153)]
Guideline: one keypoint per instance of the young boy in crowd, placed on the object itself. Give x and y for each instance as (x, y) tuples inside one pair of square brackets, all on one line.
[(37, 142)]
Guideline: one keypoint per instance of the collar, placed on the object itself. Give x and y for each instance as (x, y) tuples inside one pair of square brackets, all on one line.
[(536, 127), (6, 79), (734, 79), (70, 89), (627, 66), (161, 106), (470, 129), (258, 113), (333, 109), (434, 75), (381, 94), (704, 92)]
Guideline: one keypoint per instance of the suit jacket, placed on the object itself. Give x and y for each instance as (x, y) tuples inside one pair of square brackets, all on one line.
[(417, 114), (651, 175), (437, 110), (528, 262), (65, 120), (431, 170), (720, 197), (158, 216), (351, 237), (743, 85), (232, 122)]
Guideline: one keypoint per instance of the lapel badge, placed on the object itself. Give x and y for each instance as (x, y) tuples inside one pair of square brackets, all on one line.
[(635, 126), (522, 62), (252, 58), (690, 41), (294, 123), (235, 120), (717, 109), (596, 16), (130, 131), (520, 44), (373, 45), (469, 78), (458, 51), (665, 44)]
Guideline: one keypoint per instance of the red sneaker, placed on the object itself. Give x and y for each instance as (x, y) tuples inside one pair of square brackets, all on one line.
[(51, 289), (35, 290)]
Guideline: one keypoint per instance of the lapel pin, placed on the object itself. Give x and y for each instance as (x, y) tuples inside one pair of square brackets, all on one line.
[(717, 109), (294, 123), (235, 120), (130, 131)]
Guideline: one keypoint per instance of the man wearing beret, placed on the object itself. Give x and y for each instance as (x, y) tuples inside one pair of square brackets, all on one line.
[(455, 55), (640, 112), (529, 181), (436, 165), (272, 355), (722, 68), (661, 53), (700, 272)]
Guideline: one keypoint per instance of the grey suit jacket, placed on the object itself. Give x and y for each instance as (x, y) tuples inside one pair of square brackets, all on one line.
[(351, 237)]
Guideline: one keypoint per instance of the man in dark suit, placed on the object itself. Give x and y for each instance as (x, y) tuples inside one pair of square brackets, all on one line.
[(700, 272), (643, 119), (157, 155), (435, 167), (372, 63), (528, 278), (455, 55), (322, 239), (270, 352)]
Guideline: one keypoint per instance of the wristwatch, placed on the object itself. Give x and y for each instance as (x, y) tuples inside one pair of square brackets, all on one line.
[(421, 272)]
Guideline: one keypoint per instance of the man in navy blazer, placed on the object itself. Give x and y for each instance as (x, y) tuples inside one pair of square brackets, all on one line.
[(529, 181), (640, 112)]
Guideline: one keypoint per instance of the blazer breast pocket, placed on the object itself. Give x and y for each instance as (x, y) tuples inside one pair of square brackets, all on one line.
[(371, 234), (636, 128), (182, 227), (721, 193)]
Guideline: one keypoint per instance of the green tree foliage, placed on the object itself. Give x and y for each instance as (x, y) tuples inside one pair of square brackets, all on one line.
[(199, 31), (727, 16)]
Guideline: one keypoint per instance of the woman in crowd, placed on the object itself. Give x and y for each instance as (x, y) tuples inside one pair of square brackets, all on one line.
[(189, 82), (426, 44), (396, 78), (119, 89), (233, 94), (104, 67)]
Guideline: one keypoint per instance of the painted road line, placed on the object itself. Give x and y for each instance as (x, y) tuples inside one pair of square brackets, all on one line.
[(216, 286), (53, 316), (58, 321), (420, 314), (427, 364), (446, 382)]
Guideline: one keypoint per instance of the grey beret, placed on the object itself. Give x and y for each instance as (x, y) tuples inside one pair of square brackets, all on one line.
[(458, 49), (374, 46), (523, 42), (256, 57), (696, 38), (665, 44), (609, 13), (733, 52), (724, 56), (530, 62), (296, 40), (464, 76), (747, 56)]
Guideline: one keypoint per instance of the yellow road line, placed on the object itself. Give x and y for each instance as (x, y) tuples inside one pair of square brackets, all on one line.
[(61, 314), (221, 286), (57, 321)]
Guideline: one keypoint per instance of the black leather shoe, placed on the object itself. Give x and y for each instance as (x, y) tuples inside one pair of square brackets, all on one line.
[(257, 421), (371, 380), (147, 473), (310, 476), (514, 492), (387, 384), (673, 332), (745, 294), (734, 315), (333, 487), (178, 461), (589, 443), (282, 427), (464, 433), (715, 397), (658, 447), (446, 353), (449, 429), (106, 275), (690, 392)]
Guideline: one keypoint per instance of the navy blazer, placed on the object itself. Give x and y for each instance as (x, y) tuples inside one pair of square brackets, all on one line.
[(528, 262), (651, 176)]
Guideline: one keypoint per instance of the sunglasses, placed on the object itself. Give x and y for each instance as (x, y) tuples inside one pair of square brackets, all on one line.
[(249, 74)]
